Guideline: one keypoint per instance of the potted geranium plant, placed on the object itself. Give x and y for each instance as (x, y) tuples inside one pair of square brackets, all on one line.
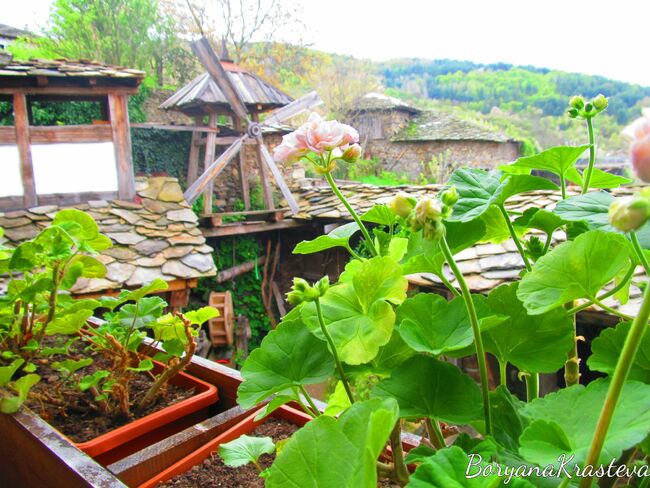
[(388, 351), (101, 390)]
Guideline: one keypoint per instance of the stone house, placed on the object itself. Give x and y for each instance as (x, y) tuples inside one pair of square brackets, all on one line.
[(406, 139)]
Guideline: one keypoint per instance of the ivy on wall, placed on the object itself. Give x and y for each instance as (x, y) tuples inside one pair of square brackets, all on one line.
[(156, 151)]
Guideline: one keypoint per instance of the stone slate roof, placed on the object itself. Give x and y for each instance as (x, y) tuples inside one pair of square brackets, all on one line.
[(485, 266), (202, 92), (433, 125), (10, 32), (66, 68), (378, 102), (154, 236)]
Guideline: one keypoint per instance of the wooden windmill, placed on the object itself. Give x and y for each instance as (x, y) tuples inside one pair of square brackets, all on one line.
[(229, 87)]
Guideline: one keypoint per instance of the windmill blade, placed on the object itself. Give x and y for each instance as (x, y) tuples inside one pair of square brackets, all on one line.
[(213, 170), (211, 63), (277, 174), (306, 102)]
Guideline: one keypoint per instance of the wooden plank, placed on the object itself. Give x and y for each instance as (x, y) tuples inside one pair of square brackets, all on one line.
[(225, 141), (243, 176), (59, 134), (264, 178), (22, 140), (216, 219), (172, 286), (279, 179), (279, 299), (211, 173), (306, 102), (143, 465), (33, 453), (119, 115), (209, 157), (198, 128), (254, 227), (68, 90), (230, 273), (7, 134), (211, 63), (193, 158)]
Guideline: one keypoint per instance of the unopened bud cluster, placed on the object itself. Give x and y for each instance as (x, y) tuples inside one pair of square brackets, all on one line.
[(628, 214), (580, 108), (302, 291), (427, 214)]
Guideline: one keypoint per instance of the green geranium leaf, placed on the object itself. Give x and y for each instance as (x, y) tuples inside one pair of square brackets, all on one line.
[(607, 348), (428, 323), (135, 295), (425, 256), (358, 312), (331, 453), (338, 401), (99, 243), (245, 449), (339, 237), (559, 160), (288, 356), (26, 256), (507, 421), (451, 468), (142, 313), (516, 184), (565, 421), (426, 387), (92, 380), (397, 247), (10, 404), (7, 372), (601, 179), (380, 214), (275, 403), (575, 269), (70, 323), (533, 343), (535, 218), (477, 189), (496, 227), (591, 208), (90, 267), (202, 315), (70, 366), (143, 365), (79, 225)]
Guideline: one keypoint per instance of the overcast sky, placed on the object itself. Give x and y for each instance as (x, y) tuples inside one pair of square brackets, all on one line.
[(610, 38)]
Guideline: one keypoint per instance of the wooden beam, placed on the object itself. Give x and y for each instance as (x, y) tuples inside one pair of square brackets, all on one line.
[(68, 90), (240, 269), (279, 299), (264, 178), (176, 128), (225, 141), (254, 227), (217, 219), (277, 174), (119, 117), (174, 285), (209, 158), (193, 158), (22, 140), (243, 177)]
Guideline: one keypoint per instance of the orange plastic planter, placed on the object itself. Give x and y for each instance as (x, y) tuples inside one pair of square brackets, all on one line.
[(246, 426), (205, 395)]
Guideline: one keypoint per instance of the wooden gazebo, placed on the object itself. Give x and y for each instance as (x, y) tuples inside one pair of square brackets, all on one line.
[(204, 101)]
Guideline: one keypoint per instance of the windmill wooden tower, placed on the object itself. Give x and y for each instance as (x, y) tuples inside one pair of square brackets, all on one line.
[(227, 89)]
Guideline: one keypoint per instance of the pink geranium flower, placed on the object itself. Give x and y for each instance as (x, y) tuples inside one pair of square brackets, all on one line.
[(639, 132)]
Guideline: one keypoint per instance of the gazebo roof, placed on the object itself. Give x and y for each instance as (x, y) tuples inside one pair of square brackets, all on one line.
[(202, 95)]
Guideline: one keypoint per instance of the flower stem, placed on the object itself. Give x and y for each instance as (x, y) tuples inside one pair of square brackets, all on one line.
[(532, 386), (478, 340), (639, 252), (307, 396), (622, 283), (625, 360), (513, 234), (400, 470), (592, 156), (563, 186), (449, 286), (503, 373), (572, 364), (369, 244), (337, 360), (434, 433)]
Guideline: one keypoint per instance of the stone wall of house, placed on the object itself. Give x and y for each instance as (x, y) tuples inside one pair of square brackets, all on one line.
[(379, 125), (411, 157)]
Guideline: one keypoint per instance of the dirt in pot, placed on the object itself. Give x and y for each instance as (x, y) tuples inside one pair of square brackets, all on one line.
[(75, 413), (212, 472)]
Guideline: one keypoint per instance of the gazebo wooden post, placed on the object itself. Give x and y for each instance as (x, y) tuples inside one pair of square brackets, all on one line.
[(243, 177), (23, 142), (264, 177), (210, 142), (193, 159)]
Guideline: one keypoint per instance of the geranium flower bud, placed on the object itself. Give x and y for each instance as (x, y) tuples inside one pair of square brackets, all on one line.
[(589, 107), (433, 230), (302, 291), (428, 209), (449, 197), (322, 285), (352, 153), (573, 113), (629, 213), (600, 102), (402, 204), (639, 132), (577, 102)]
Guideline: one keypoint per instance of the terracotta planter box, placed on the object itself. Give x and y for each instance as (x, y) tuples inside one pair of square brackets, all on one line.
[(114, 445), (246, 426)]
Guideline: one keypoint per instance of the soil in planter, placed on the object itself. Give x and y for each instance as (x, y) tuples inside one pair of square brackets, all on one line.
[(81, 422), (212, 472)]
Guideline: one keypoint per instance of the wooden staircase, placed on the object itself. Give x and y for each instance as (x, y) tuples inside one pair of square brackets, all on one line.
[(221, 328)]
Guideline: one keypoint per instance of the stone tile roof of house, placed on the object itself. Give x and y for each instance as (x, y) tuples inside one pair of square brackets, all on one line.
[(378, 102), (154, 236), (10, 32), (202, 93), (485, 266), (65, 67), (433, 125)]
